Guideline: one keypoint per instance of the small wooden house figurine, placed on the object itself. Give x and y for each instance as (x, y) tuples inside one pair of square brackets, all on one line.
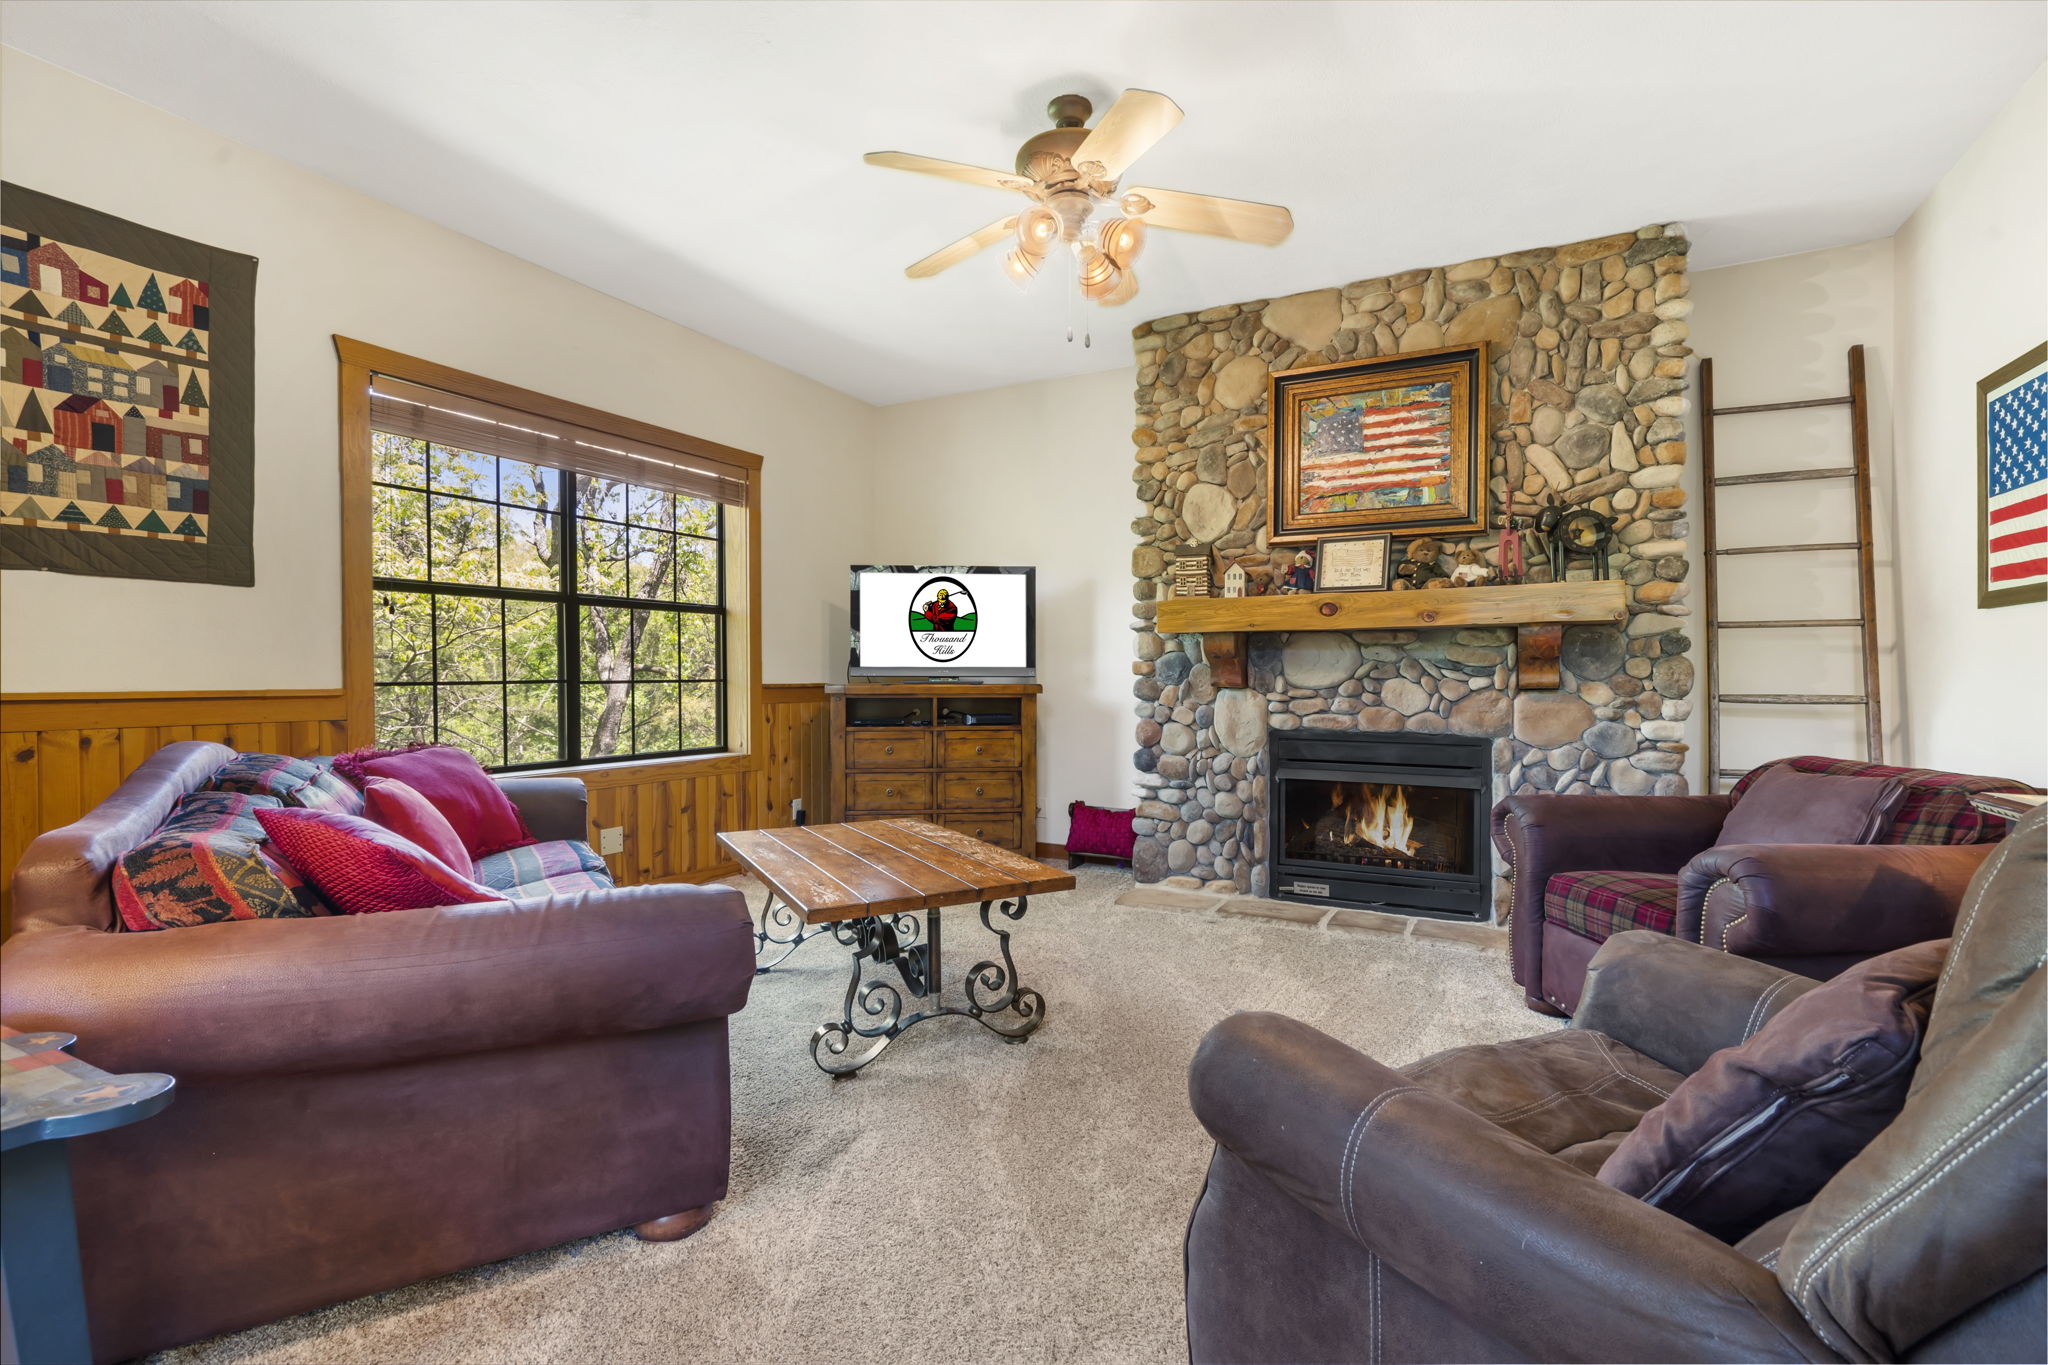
[(1234, 581)]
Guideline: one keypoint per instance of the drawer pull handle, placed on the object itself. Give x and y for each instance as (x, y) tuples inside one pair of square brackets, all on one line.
[(977, 832), (889, 791), (977, 791), (890, 750), (978, 749)]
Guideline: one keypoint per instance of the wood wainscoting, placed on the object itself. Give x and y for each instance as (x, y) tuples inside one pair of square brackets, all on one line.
[(64, 753)]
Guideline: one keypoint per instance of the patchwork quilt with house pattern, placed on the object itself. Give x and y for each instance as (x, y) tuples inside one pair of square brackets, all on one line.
[(112, 371)]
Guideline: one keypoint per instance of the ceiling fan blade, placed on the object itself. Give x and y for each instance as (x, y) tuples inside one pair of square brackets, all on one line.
[(1239, 219), (1137, 120), (956, 252), (950, 170)]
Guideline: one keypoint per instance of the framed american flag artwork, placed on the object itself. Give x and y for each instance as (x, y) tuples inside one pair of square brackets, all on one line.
[(1397, 444), (2012, 482)]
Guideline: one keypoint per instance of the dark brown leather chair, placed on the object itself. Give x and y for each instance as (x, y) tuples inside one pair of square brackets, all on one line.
[(364, 1101), (1447, 1211)]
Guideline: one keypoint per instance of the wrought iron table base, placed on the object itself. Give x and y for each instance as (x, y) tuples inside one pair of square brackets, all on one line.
[(777, 914), (995, 998)]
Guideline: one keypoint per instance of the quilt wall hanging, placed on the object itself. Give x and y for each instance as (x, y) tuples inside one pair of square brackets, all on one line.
[(126, 400)]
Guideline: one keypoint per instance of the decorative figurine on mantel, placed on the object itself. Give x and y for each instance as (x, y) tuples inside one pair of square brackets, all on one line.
[(1191, 576), (1234, 581), (1514, 567), (1302, 577), (1423, 568), (1472, 571), (1584, 532)]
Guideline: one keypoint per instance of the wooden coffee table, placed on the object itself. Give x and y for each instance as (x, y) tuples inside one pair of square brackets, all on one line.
[(864, 884)]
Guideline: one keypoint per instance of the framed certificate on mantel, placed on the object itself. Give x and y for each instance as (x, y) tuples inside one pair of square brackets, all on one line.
[(1354, 563)]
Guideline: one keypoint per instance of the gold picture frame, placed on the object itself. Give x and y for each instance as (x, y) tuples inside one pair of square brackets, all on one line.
[(1396, 444), (1355, 563)]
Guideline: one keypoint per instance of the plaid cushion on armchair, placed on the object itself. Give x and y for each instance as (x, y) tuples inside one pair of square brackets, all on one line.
[(1937, 807), (1601, 904)]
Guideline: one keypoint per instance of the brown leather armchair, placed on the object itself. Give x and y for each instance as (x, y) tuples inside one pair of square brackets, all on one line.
[(1447, 1211), (1585, 867), (364, 1101)]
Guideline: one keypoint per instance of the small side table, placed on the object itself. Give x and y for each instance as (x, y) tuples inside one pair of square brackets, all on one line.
[(46, 1097)]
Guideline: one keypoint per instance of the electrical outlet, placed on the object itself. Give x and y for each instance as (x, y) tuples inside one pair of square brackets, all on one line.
[(796, 810), (610, 841)]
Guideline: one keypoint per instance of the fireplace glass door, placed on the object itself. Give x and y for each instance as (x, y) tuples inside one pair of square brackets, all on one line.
[(1406, 826)]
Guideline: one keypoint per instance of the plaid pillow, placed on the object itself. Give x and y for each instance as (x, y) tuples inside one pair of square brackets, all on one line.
[(528, 864), (1597, 905), (1937, 807), (308, 783)]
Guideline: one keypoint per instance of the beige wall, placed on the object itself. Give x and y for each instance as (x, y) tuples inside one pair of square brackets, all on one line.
[(1034, 474), (1779, 331), (1972, 295), (333, 260)]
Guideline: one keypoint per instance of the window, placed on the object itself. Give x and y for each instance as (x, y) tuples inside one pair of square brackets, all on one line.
[(543, 611)]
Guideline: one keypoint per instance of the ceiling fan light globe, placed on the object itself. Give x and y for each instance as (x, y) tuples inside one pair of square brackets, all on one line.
[(1126, 290), (1021, 267), (1037, 229), (1096, 274), (1121, 239)]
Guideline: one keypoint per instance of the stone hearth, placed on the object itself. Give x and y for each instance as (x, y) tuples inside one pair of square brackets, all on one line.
[(1589, 364)]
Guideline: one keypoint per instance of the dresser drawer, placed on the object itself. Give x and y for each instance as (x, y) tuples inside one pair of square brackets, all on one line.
[(854, 815), (981, 749), (888, 791), (1002, 830), (891, 749), (980, 791)]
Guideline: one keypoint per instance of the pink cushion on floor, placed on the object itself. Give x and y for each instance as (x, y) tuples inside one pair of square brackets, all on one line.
[(363, 868), (1092, 829), (403, 811), (456, 785)]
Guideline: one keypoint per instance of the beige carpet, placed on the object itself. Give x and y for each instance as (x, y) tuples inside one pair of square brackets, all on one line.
[(963, 1199)]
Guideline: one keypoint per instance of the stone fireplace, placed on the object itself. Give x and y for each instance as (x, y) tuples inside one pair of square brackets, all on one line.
[(1588, 346)]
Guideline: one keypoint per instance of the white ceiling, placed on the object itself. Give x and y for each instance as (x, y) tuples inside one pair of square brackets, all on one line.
[(702, 160)]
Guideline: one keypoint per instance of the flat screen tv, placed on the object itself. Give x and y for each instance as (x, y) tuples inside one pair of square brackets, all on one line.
[(943, 621)]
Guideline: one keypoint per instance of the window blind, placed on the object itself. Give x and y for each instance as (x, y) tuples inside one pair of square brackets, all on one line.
[(464, 423)]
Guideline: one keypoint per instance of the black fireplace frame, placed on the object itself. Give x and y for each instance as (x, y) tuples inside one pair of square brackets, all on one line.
[(1454, 761)]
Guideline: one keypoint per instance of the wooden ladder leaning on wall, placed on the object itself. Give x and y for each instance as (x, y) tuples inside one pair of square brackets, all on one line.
[(1857, 400)]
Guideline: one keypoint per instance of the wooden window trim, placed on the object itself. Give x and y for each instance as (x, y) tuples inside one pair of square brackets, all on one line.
[(359, 360)]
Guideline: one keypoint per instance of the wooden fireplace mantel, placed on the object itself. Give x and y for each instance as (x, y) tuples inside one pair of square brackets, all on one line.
[(1539, 612)]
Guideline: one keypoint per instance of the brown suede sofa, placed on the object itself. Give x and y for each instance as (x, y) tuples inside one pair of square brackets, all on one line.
[(1448, 1210), (364, 1101)]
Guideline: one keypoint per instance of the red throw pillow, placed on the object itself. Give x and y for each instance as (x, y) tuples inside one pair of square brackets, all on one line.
[(406, 813), (363, 868), (1761, 1127), (455, 785)]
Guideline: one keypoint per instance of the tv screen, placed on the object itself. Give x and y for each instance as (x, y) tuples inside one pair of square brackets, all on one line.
[(942, 621)]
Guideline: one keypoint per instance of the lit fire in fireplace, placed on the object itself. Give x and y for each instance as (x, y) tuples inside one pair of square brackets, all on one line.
[(1377, 816)]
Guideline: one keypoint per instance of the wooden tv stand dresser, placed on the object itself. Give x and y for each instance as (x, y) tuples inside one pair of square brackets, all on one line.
[(906, 749)]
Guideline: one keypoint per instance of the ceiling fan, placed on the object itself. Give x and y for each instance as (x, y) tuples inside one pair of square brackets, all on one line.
[(1070, 173)]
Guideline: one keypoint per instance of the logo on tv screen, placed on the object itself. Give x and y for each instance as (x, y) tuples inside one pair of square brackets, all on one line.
[(942, 619)]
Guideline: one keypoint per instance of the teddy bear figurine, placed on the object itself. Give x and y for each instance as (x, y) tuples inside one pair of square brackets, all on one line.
[(1471, 571), (1422, 568), (1302, 576)]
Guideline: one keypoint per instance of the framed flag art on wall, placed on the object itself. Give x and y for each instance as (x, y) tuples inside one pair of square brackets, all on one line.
[(2012, 482)]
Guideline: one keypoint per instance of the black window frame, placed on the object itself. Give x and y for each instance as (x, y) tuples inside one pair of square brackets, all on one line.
[(567, 598)]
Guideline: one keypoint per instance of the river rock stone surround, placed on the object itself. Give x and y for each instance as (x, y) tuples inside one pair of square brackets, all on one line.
[(1588, 404)]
